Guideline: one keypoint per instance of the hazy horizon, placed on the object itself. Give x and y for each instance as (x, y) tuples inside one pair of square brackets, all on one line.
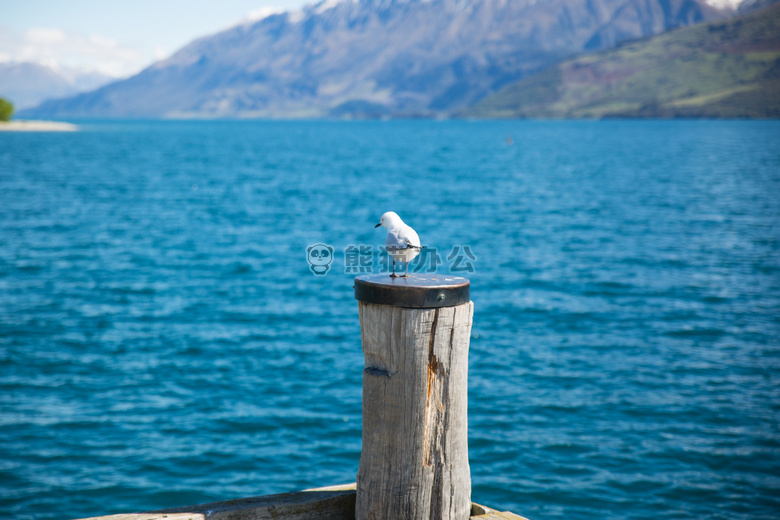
[(117, 39)]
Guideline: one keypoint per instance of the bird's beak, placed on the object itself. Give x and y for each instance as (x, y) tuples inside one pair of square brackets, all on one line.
[(378, 225)]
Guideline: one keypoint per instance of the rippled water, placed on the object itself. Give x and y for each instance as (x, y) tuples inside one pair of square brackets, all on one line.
[(163, 342)]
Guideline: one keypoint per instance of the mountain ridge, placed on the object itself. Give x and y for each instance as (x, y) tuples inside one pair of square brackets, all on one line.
[(27, 84), (721, 69), (374, 58)]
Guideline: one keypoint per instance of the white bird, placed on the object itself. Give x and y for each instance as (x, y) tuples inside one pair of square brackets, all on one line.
[(402, 242)]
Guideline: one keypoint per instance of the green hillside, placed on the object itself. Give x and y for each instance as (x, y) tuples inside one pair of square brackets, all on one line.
[(724, 69)]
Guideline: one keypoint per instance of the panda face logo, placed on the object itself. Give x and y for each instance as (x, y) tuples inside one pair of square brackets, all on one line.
[(319, 257)]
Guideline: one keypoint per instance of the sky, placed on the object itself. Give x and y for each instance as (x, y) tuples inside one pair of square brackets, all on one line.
[(116, 37)]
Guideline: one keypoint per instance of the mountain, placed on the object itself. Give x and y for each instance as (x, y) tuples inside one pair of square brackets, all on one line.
[(722, 69), (376, 57), (28, 84)]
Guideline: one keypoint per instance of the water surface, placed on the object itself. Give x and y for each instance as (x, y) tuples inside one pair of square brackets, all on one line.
[(163, 341)]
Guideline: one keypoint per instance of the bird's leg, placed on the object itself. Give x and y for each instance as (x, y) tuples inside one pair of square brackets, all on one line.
[(406, 270), (393, 275)]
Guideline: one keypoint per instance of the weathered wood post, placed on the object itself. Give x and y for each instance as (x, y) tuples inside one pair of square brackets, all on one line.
[(414, 462)]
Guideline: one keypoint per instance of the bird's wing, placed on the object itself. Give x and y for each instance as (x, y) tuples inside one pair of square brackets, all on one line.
[(402, 237), (394, 239), (411, 237)]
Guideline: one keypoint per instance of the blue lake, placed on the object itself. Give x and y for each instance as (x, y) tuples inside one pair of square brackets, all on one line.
[(163, 341)]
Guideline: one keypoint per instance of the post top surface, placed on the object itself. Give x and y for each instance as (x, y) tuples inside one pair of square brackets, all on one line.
[(426, 291)]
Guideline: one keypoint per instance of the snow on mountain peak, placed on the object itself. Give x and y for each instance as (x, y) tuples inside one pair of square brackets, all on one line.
[(724, 4)]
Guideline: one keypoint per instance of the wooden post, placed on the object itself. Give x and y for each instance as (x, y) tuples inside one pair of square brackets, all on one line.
[(415, 333)]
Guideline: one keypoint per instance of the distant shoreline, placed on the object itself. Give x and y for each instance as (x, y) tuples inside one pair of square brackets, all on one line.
[(37, 126)]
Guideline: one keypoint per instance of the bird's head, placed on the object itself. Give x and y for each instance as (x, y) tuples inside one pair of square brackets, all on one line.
[(390, 220)]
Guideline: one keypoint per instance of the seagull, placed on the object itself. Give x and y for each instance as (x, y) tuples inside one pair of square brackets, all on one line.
[(402, 242)]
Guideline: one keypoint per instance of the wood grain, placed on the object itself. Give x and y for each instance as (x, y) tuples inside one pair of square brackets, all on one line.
[(414, 460)]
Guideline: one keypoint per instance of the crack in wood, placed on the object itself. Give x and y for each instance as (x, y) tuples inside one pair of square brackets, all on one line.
[(433, 367)]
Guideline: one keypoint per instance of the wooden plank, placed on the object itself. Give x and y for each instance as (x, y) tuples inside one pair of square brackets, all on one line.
[(506, 515), (480, 512), (331, 503)]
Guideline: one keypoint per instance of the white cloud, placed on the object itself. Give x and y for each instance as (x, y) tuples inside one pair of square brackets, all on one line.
[(160, 53), (89, 53), (41, 36)]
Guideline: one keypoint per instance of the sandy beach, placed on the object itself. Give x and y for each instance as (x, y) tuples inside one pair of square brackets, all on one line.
[(37, 126)]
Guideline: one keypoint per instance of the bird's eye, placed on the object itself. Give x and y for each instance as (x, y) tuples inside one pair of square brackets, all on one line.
[(325, 253)]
